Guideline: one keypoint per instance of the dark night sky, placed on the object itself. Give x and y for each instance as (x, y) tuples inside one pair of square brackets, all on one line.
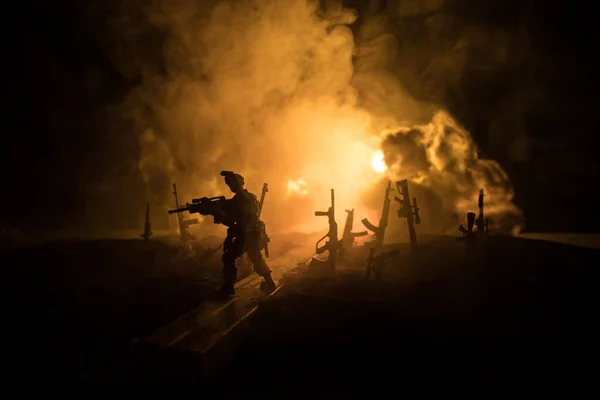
[(57, 152)]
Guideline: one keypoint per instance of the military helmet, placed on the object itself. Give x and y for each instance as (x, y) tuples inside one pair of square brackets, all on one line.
[(231, 178)]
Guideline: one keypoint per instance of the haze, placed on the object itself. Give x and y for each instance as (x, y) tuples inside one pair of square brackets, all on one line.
[(279, 92)]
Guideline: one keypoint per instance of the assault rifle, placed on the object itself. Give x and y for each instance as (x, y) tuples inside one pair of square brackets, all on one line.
[(481, 223), (147, 226), (184, 225), (348, 237), (332, 244), (407, 210), (265, 239), (379, 231), (204, 206)]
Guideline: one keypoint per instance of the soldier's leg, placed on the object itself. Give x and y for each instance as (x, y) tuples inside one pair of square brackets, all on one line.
[(231, 253), (260, 265), (253, 250)]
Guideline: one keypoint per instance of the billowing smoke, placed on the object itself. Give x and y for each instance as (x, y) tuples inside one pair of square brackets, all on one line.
[(279, 92), (442, 157), (426, 50)]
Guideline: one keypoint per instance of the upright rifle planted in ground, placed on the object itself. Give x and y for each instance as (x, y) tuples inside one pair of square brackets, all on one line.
[(379, 231), (481, 223), (348, 237), (147, 226), (408, 211), (468, 233), (332, 244), (184, 225), (264, 237)]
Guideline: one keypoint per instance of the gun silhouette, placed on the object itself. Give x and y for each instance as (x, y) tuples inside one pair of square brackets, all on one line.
[(349, 236), (204, 206), (147, 226), (408, 211), (481, 223), (470, 222), (265, 239), (379, 231), (265, 189), (184, 225), (332, 244)]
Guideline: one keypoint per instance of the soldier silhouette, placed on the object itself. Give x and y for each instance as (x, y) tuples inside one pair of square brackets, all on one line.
[(245, 234)]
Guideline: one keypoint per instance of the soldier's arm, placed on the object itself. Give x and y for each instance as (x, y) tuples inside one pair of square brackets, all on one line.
[(255, 203), (228, 212), (228, 222)]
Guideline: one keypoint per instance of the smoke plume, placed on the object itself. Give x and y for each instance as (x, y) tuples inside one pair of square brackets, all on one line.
[(282, 92), (442, 157)]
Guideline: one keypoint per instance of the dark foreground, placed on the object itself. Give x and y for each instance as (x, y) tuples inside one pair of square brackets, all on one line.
[(73, 306), (510, 309), (511, 312)]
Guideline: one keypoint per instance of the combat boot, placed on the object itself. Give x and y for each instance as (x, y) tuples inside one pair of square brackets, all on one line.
[(268, 286), (227, 290)]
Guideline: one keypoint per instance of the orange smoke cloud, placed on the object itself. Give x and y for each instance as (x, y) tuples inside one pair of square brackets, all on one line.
[(334, 152), (266, 89), (378, 162), (298, 186), (442, 156)]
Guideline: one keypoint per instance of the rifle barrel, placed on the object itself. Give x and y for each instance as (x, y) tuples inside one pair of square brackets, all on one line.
[(178, 210)]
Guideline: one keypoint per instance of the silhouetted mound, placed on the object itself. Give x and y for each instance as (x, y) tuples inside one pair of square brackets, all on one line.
[(510, 308)]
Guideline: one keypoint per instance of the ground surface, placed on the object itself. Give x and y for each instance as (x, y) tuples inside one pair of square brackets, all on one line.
[(72, 307), (509, 311), (510, 307), (72, 303)]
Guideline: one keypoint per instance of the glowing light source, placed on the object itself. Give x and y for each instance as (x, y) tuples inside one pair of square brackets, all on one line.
[(378, 163), (298, 187)]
